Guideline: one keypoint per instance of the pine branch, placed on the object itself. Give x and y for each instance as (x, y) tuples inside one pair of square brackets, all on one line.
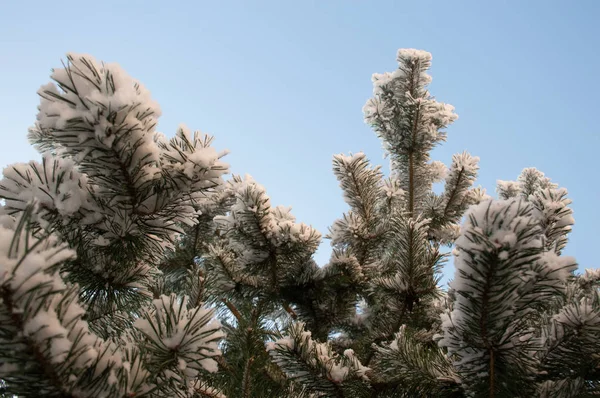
[(504, 276), (48, 369), (233, 309), (290, 311), (246, 387), (315, 364), (411, 160)]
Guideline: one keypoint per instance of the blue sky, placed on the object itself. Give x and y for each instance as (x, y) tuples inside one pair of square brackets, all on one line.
[(281, 84)]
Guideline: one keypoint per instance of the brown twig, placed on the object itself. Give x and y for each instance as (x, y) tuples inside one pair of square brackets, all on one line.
[(236, 313), (290, 311)]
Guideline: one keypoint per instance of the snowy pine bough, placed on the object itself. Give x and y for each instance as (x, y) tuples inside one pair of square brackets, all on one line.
[(132, 265), (82, 234)]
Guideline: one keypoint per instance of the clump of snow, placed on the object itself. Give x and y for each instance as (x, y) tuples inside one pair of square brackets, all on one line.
[(285, 342), (347, 229), (477, 195), (530, 183), (464, 161), (356, 365), (45, 326), (252, 212), (557, 216), (507, 189), (319, 356), (56, 183), (191, 155), (338, 372), (590, 276), (377, 110), (438, 171), (448, 233), (578, 315), (191, 333), (350, 159), (532, 180), (391, 188), (411, 55)]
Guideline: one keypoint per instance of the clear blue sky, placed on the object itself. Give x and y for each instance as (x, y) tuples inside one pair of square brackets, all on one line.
[(281, 84)]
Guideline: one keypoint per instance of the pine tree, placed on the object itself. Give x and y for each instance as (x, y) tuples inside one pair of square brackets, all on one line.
[(129, 267), (83, 232), (391, 242), (374, 323)]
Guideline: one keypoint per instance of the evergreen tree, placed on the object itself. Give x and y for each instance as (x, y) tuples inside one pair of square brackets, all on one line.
[(83, 232), (130, 268), (391, 244)]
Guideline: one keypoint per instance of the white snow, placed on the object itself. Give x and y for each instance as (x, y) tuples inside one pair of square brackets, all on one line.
[(508, 189), (464, 161), (56, 183), (45, 326), (506, 229), (411, 55), (392, 92), (438, 171), (319, 356), (192, 333)]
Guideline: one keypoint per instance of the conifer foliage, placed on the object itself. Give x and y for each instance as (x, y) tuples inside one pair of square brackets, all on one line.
[(82, 233), (130, 266)]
